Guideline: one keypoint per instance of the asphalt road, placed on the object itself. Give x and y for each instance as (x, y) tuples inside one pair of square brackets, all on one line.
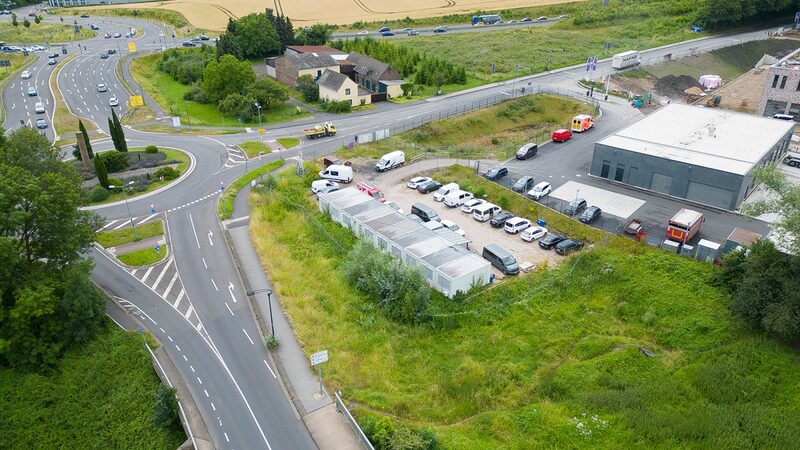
[(451, 29)]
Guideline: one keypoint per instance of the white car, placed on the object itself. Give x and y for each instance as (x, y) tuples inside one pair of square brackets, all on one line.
[(395, 207), (324, 186), (470, 204), (101, 87), (452, 226), (113, 101), (531, 234), (540, 190), (26, 74), (516, 224), (38, 48), (417, 181), (362, 33)]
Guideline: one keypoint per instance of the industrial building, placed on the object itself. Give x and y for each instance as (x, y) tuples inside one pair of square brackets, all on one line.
[(705, 155), (781, 93), (441, 255)]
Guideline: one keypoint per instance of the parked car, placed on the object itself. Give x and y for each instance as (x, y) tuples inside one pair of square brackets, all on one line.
[(362, 33), (485, 211), (792, 160), (41, 124), (470, 204), (430, 186), (457, 198), (526, 19), (591, 214), (188, 44), (443, 191), (528, 150), (568, 246), (561, 135), (416, 181), (113, 101), (516, 224), (500, 219), (495, 173), (501, 259), (440, 30), (324, 186), (550, 240), (26, 74), (452, 226), (531, 234), (523, 184), (395, 207), (424, 212), (540, 190), (32, 92), (575, 207), (101, 87)]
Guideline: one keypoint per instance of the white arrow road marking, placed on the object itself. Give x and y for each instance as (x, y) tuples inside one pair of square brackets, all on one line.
[(210, 235), (230, 289)]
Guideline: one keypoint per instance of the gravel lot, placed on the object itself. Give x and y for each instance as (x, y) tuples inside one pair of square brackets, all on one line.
[(393, 184)]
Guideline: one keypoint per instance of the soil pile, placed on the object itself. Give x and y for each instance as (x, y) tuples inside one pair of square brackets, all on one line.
[(672, 86)]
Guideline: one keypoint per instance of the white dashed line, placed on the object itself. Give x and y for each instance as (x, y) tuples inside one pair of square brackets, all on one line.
[(245, 333), (206, 392), (176, 346), (185, 358), (170, 338), (270, 369), (191, 367), (229, 309)]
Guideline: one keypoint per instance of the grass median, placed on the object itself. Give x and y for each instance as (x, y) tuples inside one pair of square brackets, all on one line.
[(288, 142), (108, 239), (143, 257), (255, 148), (550, 359), (43, 32), (225, 205)]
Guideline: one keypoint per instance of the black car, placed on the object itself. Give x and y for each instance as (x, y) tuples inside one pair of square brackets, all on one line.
[(591, 214), (84, 16), (500, 220), (188, 44), (568, 246), (430, 186), (550, 240), (495, 173), (54, 55), (111, 51), (575, 207), (440, 30), (524, 184)]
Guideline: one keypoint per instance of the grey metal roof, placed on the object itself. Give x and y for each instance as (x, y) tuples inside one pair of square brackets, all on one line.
[(312, 60), (331, 80), (368, 67)]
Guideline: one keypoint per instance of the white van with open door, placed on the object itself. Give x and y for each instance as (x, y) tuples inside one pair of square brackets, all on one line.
[(390, 160), (342, 174)]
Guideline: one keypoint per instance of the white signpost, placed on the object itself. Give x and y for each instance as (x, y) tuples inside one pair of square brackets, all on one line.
[(316, 360)]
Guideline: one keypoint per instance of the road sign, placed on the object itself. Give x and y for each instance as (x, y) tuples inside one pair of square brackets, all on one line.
[(157, 248), (319, 357), (131, 46), (261, 131), (137, 100)]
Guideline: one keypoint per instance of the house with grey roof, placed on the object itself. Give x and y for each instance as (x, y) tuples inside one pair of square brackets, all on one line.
[(291, 67), (375, 76), (333, 86)]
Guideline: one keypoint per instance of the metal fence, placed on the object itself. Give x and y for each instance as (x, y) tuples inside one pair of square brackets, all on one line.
[(340, 406)]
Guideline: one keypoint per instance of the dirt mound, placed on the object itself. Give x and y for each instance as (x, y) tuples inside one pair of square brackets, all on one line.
[(674, 87)]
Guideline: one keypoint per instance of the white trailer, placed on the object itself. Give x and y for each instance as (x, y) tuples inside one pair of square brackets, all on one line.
[(625, 59)]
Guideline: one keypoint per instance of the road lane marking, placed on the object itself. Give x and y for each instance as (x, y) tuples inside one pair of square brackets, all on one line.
[(229, 309), (176, 346), (215, 285), (162, 330), (212, 406), (133, 272), (205, 265), (191, 367), (185, 358), (199, 380), (124, 223), (189, 311), (206, 392), (161, 275), (169, 286), (270, 369), (248, 337), (226, 437), (180, 296), (146, 274), (210, 235), (230, 289), (170, 338), (194, 231), (146, 219)]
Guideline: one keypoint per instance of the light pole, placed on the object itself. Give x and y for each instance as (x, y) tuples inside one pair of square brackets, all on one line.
[(572, 211), (261, 136), (124, 196), (269, 299)]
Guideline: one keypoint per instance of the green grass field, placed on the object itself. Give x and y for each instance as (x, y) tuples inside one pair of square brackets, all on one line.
[(114, 238), (41, 33), (171, 18), (495, 132), (253, 149), (546, 360), (143, 257), (168, 93), (101, 395), (225, 205), (288, 142)]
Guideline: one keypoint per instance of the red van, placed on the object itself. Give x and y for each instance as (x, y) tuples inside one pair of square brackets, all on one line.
[(371, 190), (561, 135)]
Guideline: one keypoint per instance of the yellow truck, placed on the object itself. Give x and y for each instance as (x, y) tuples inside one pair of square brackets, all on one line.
[(326, 129)]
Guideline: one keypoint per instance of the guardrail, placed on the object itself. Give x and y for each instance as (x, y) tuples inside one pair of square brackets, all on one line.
[(340, 406)]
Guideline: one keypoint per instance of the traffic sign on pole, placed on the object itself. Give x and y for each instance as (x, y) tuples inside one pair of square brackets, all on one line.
[(319, 357)]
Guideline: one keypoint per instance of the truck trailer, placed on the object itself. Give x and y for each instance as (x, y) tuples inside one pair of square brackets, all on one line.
[(625, 59), (684, 225)]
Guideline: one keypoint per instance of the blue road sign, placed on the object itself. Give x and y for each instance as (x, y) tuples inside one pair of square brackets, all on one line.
[(158, 248)]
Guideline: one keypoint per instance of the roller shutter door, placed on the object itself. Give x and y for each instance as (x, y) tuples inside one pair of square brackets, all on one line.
[(710, 195), (661, 183)]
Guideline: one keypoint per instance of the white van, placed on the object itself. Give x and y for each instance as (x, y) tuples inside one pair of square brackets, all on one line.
[(457, 198), (39, 108), (444, 190), (484, 212), (390, 161), (342, 174)]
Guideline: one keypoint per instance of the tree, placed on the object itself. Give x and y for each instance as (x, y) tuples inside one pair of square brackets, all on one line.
[(256, 36), (242, 106), (37, 19), (268, 92), (317, 34), (111, 131), (26, 23), (283, 27), (783, 199), (226, 76), (227, 45), (120, 144), (47, 302), (86, 140), (165, 414), (101, 172), (14, 21), (308, 87)]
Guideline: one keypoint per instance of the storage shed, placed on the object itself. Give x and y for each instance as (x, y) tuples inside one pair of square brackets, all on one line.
[(441, 255)]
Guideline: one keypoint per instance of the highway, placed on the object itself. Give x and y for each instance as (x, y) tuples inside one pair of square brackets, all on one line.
[(194, 301)]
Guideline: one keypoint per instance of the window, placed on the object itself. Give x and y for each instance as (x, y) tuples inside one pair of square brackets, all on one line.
[(605, 169), (347, 91), (783, 82), (775, 81), (774, 107), (620, 172)]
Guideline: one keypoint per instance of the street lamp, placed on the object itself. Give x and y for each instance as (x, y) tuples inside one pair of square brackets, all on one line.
[(269, 299), (111, 186)]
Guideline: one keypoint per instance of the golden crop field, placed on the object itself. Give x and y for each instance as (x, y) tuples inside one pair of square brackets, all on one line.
[(213, 14)]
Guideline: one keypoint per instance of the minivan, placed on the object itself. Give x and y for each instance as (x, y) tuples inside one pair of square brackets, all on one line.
[(339, 173), (485, 211), (390, 161), (501, 259), (528, 150), (424, 212), (457, 198), (523, 184), (444, 191)]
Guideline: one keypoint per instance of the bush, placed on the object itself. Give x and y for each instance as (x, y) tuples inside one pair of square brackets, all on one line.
[(166, 407), (333, 106), (151, 149), (98, 194), (308, 87), (114, 181), (168, 173), (195, 94), (114, 161)]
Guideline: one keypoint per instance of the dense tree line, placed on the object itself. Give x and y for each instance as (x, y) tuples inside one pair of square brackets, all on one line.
[(718, 13), (409, 63), (186, 66), (47, 302), (256, 35)]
